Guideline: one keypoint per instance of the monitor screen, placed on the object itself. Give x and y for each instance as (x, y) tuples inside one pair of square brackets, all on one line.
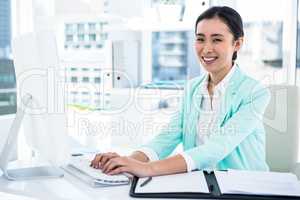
[(37, 74)]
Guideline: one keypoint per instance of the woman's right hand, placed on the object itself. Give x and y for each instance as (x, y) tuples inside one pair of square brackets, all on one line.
[(102, 158)]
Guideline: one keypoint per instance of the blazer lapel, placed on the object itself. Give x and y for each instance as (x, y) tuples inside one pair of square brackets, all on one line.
[(196, 100), (194, 113), (228, 97)]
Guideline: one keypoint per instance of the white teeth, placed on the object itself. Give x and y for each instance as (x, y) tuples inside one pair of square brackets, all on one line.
[(208, 59)]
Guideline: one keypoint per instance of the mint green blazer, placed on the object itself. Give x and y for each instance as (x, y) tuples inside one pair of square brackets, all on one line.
[(239, 142)]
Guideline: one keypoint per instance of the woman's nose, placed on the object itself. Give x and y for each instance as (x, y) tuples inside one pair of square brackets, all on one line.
[(207, 48)]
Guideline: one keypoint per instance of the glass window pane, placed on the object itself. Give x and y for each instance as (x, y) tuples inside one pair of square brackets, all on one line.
[(97, 79), (69, 28), (85, 79), (92, 26), (167, 63), (8, 98), (92, 37), (69, 38), (80, 37), (74, 79), (261, 55), (80, 27)]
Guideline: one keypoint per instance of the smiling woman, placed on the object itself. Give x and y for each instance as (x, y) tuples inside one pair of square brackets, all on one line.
[(218, 38), (217, 125)]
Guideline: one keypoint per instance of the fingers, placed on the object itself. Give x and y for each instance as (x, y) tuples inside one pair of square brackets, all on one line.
[(112, 164), (105, 159), (117, 170), (101, 159), (95, 162)]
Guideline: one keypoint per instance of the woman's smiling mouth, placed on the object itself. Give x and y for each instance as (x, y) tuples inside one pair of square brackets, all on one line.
[(209, 60)]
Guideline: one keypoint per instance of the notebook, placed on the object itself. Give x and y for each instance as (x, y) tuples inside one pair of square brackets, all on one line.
[(257, 182), (231, 184), (79, 166), (174, 183)]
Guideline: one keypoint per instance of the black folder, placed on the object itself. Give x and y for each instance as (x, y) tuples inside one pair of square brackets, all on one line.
[(214, 190)]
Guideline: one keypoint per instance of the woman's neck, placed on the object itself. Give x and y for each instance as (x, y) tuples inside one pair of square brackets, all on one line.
[(216, 78)]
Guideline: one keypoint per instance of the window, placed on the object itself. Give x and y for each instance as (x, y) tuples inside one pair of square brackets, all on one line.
[(7, 73), (69, 38), (99, 46), (169, 56), (103, 36), (80, 37), (73, 69), (92, 37), (69, 28), (85, 79), (80, 28), (76, 46), (261, 55), (92, 26), (5, 29), (97, 80), (74, 79), (7, 87), (87, 46)]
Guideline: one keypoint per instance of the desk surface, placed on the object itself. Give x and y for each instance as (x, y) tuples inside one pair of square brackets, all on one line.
[(67, 188)]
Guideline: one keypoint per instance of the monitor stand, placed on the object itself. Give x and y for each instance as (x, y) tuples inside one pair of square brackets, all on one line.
[(33, 173), (29, 172)]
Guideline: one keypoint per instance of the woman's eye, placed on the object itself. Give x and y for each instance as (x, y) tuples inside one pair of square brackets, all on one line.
[(217, 40), (200, 39)]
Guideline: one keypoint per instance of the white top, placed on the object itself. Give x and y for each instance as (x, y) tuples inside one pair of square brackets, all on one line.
[(207, 121)]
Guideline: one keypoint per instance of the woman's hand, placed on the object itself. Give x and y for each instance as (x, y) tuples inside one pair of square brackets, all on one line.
[(126, 164), (112, 163), (101, 159)]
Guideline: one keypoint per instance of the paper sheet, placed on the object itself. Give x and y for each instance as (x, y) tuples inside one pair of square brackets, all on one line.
[(185, 182), (255, 182)]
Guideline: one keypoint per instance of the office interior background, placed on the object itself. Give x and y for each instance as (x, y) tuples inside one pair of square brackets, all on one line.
[(123, 64)]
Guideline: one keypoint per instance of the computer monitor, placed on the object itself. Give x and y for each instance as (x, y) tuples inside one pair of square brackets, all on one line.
[(5, 124), (40, 107)]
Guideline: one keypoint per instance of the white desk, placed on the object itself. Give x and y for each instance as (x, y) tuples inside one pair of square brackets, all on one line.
[(66, 188)]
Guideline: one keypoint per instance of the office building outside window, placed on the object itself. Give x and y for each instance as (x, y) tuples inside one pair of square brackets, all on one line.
[(5, 28), (7, 73), (262, 53), (85, 35)]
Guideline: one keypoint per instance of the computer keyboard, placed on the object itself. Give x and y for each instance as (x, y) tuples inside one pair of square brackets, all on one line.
[(82, 164)]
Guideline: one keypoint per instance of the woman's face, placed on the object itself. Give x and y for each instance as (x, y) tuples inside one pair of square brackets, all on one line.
[(215, 45)]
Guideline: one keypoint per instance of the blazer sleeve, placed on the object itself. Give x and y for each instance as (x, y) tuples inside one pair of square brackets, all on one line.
[(241, 124), (170, 136)]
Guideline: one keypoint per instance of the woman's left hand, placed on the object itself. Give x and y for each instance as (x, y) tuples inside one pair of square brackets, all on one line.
[(129, 165)]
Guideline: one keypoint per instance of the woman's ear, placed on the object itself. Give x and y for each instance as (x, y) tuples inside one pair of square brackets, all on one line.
[(238, 43)]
